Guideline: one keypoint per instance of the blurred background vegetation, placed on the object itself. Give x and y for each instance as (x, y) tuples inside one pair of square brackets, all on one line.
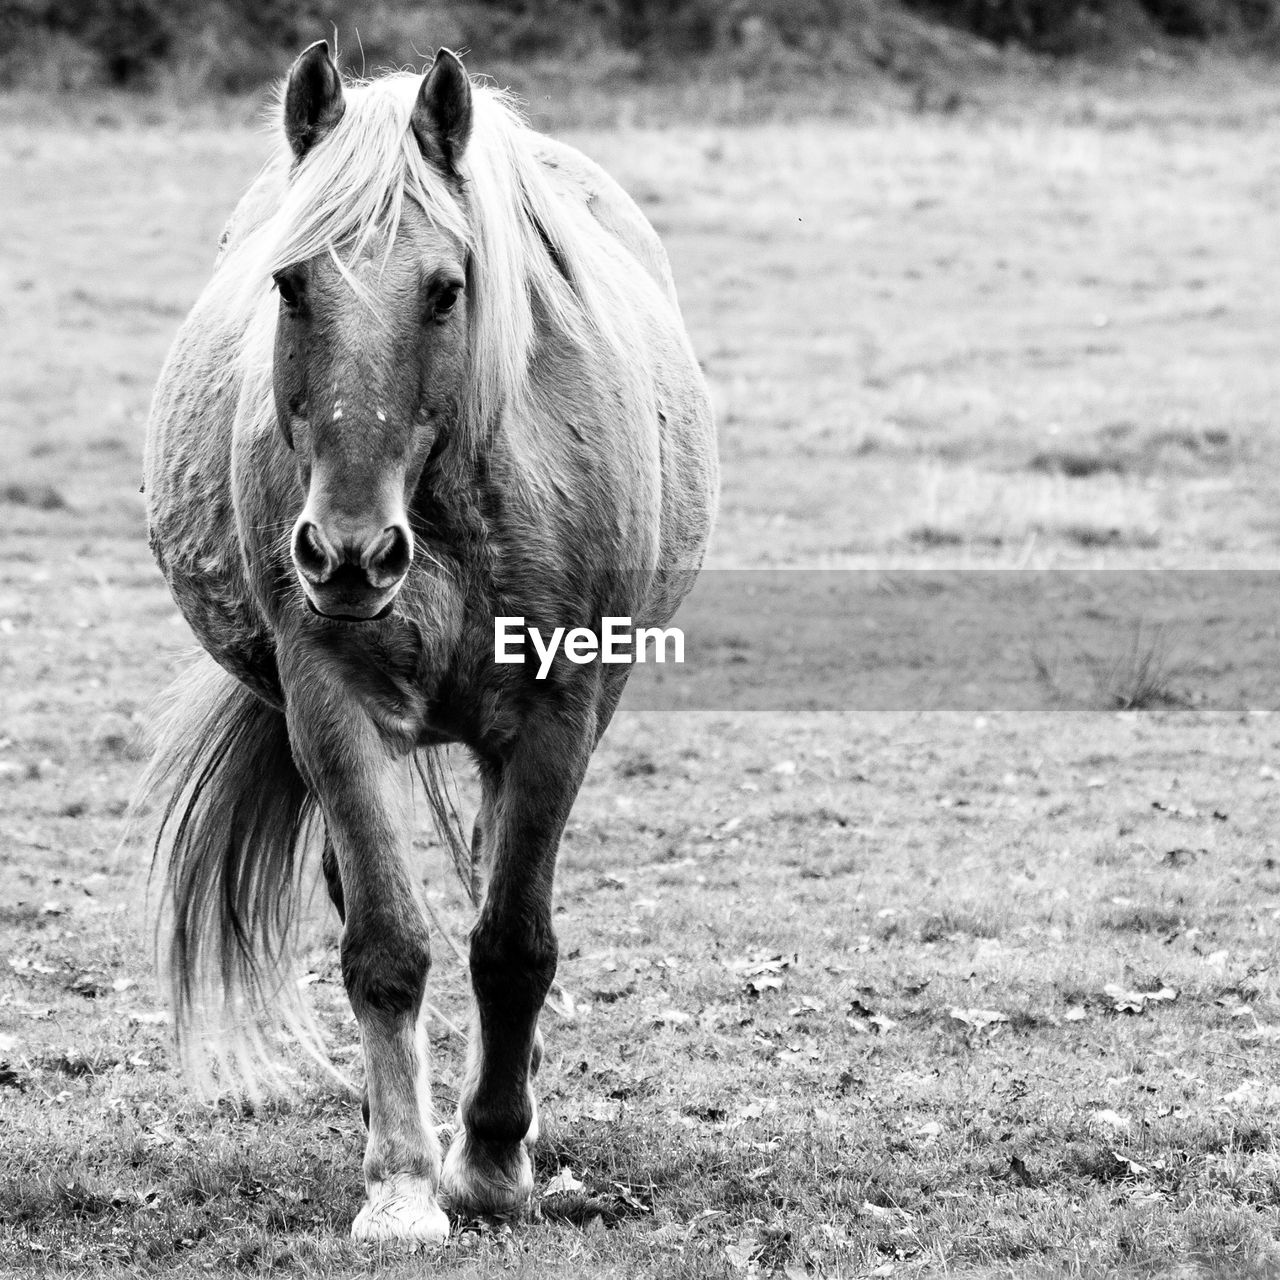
[(221, 46)]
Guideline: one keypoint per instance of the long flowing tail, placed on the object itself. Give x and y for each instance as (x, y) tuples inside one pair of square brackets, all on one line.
[(236, 822)]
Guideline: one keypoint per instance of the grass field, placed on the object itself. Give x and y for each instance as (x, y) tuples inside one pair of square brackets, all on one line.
[(893, 993)]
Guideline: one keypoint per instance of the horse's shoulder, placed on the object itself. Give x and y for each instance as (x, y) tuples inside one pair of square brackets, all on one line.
[(578, 177)]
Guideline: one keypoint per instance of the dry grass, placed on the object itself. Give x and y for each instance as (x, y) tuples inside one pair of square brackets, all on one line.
[(786, 935), (1142, 670)]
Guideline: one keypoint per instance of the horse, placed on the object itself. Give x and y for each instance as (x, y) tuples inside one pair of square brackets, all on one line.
[(439, 376)]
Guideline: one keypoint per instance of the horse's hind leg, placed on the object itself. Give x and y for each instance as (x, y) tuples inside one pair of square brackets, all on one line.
[(364, 792), (513, 961)]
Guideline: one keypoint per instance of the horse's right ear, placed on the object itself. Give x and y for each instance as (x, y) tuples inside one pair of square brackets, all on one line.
[(441, 119), (313, 101)]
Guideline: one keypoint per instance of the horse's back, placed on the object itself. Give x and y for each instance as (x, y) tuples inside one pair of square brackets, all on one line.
[(576, 176), (685, 454)]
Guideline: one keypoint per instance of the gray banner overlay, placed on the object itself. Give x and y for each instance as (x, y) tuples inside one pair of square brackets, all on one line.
[(800, 640)]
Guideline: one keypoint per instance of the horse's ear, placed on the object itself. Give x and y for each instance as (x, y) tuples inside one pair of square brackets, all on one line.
[(441, 117), (313, 101)]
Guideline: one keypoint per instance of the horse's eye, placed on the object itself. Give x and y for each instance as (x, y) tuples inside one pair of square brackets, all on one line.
[(287, 289), (444, 301)]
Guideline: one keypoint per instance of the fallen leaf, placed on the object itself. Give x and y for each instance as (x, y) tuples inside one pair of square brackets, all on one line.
[(709, 1114), (563, 1184), (1111, 1119), (1131, 1167), (148, 1018), (750, 966), (560, 1000), (876, 1212), (978, 1019), (797, 1053), (672, 1018), (1174, 810), (1253, 1092), (1124, 1001), (627, 1196), (1019, 1171), (1181, 856), (806, 1006)]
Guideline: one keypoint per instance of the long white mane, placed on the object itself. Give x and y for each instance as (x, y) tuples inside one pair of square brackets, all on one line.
[(349, 192)]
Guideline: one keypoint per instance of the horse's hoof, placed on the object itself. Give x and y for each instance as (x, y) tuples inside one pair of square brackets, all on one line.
[(404, 1208), (478, 1180)]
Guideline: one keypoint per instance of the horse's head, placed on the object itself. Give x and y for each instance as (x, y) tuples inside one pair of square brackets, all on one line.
[(370, 356)]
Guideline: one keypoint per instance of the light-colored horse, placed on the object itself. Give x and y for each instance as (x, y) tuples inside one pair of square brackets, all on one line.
[(468, 395)]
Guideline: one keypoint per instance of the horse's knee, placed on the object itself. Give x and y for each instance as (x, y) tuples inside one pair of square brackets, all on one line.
[(385, 965), (513, 967)]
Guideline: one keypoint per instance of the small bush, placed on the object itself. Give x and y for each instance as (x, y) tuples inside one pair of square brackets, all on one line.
[(1064, 26), (236, 44)]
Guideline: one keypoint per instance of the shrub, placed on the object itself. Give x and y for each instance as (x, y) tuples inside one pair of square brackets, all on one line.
[(234, 44)]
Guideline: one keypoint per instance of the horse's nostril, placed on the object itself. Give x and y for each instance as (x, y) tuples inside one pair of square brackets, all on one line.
[(387, 559), (311, 553)]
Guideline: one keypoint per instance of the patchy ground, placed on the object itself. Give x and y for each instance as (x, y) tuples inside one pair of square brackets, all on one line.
[(881, 993)]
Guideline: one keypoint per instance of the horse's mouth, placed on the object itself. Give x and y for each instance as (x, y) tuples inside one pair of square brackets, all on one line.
[(350, 617)]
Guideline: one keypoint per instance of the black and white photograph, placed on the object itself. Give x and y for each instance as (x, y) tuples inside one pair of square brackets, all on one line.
[(640, 639)]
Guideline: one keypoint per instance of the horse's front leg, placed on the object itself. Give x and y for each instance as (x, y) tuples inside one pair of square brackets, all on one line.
[(513, 961), (364, 789)]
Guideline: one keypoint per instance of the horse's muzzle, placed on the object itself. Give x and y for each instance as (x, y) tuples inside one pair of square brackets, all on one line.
[(349, 575)]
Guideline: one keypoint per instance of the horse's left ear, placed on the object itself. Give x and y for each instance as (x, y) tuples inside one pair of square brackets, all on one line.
[(313, 101), (441, 117)]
